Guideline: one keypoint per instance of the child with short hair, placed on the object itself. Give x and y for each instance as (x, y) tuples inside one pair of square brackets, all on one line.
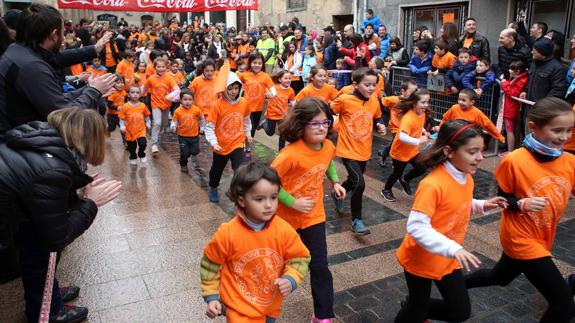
[(134, 119), (113, 104), (126, 67), (96, 68), (279, 105), (482, 69), (332, 81), (309, 61), (512, 88), (272, 258), (188, 121), (464, 65), (175, 73), (443, 60), (420, 62), (203, 87), (343, 78), (465, 109), (140, 74), (317, 86)]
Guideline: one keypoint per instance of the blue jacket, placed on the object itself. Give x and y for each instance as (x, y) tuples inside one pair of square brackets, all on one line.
[(568, 77), (308, 63), (468, 80), (384, 46), (419, 67), (342, 79), (455, 74), (330, 56), (374, 21), (303, 43)]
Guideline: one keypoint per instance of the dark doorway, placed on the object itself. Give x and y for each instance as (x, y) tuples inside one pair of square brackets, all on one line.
[(339, 21)]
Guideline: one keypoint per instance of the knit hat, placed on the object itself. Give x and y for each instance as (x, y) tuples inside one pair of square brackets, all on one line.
[(544, 46), (11, 18)]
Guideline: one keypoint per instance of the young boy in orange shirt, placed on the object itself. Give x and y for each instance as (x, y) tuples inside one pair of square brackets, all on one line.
[(159, 85), (256, 259), (317, 87), (443, 60), (126, 67), (96, 68), (280, 104), (203, 87), (175, 73), (114, 103), (134, 119), (187, 121)]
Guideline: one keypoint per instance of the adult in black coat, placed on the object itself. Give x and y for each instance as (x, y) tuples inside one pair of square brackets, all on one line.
[(42, 167), (546, 74), (511, 49), (479, 45)]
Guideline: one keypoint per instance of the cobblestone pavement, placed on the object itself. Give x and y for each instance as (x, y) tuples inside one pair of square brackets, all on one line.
[(139, 262)]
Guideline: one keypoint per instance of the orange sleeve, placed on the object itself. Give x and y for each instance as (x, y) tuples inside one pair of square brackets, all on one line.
[(291, 94), (283, 164), (212, 115), (336, 105), (122, 114), (301, 95), (269, 82), (176, 115), (217, 248), (388, 102), (486, 124), (147, 112), (332, 92), (426, 199), (446, 116), (435, 61), (504, 174)]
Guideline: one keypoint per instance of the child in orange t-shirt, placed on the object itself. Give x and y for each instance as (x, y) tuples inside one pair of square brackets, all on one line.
[(465, 110), (113, 104), (302, 166), (134, 119), (390, 103), (317, 86), (96, 68), (537, 180), (126, 67), (228, 132), (359, 114), (175, 73), (431, 251), (187, 121), (279, 105), (256, 259), (159, 85), (203, 87), (443, 60), (331, 81), (140, 74), (569, 145), (405, 146)]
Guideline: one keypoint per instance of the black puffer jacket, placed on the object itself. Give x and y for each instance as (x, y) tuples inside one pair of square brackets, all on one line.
[(506, 56), (39, 177), (546, 78)]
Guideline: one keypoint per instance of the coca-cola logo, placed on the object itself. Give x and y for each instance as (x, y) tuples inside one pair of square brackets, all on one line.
[(151, 3), (84, 2), (110, 3), (183, 4), (229, 3)]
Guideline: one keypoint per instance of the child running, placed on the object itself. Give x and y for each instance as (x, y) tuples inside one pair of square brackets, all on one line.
[(203, 87), (279, 104), (537, 180), (114, 102), (405, 146), (465, 109), (437, 224), (356, 113), (228, 132), (301, 167), (134, 119), (256, 259), (188, 121), (317, 86)]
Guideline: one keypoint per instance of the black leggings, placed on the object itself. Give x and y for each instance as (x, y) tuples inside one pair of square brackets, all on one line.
[(540, 272), (139, 144), (355, 183), (455, 306), (270, 129), (399, 167), (219, 162), (255, 118)]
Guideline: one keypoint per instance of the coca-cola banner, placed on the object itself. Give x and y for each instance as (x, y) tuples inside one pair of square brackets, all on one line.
[(160, 5)]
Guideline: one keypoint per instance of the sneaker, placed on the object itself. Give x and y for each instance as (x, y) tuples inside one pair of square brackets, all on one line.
[(388, 195), (571, 283), (69, 293), (143, 160), (248, 152), (502, 154), (359, 228), (184, 168), (134, 162), (338, 203), (70, 314), (155, 149), (213, 193), (316, 320), (405, 186)]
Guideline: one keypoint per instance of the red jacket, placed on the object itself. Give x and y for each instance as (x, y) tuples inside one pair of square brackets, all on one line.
[(510, 88), (351, 54)]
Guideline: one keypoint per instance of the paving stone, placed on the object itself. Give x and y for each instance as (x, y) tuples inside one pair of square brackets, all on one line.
[(365, 316)]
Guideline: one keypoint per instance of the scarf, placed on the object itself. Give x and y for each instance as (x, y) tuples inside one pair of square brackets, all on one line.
[(542, 153)]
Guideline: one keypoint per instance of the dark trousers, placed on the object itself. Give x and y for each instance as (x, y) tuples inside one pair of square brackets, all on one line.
[(219, 163), (387, 148), (189, 146), (320, 277), (540, 272), (255, 118), (113, 122), (455, 306), (140, 144), (355, 183), (399, 167), (297, 85), (270, 129)]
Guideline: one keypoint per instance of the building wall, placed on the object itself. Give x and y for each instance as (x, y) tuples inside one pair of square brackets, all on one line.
[(317, 14)]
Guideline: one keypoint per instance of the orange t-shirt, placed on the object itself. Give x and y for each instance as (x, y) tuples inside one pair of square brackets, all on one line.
[(301, 171), (134, 117), (204, 94), (326, 93), (473, 115), (96, 72), (278, 105), (229, 123), (159, 87), (117, 99), (355, 134), (242, 50), (76, 69), (530, 235), (391, 102), (150, 70), (289, 65), (380, 85), (188, 120), (178, 77), (448, 204), (110, 61), (255, 88), (570, 144), (411, 124), (348, 89), (126, 69), (467, 41), (142, 78), (232, 58), (250, 265), (444, 62)]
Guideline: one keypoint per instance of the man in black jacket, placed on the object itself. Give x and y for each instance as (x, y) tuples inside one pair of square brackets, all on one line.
[(510, 49), (546, 74), (477, 44), (29, 87)]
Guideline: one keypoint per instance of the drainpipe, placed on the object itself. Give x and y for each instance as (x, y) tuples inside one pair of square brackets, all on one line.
[(355, 17)]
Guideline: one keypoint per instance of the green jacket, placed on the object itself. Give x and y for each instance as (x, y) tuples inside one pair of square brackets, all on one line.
[(267, 48)]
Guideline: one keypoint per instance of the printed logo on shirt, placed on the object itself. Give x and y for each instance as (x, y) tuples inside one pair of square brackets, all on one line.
[(231, 126), (255, 274), (205, 95), (254, 90), (188, 122), (557, 190), (309, 184), (458, 222), (360, 124)]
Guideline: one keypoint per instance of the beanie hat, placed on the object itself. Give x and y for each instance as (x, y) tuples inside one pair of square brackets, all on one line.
[(544, 46), (11, 18)]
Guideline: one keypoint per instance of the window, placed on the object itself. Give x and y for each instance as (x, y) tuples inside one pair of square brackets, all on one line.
[(296, 5)]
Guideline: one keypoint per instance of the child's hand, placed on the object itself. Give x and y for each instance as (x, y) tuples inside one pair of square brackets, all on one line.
[(523, 95), (381, 128), (495, 202), (466, 259), (454, 90), (214, 309), (533, 204), (148, 125), (339, 191), (123, 129), (216, 147), (435, 129), (303, 205), (173, 129), (423, 139), (284, 286), (479, 92), (249, 140)]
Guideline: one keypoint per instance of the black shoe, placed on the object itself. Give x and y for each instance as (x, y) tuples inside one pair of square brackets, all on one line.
[(69, 293), (70, 314), (388, 195), (405, 186)]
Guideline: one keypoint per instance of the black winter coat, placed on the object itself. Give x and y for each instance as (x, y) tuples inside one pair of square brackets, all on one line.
[(39, 177), (519, 52), (546, 78), (479, 47)]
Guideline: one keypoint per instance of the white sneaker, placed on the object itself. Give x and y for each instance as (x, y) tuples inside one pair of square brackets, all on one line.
[(155, 149), (143, 160), (134, 162)]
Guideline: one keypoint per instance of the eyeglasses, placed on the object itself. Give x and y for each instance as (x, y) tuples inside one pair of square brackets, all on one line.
[(318, 124)]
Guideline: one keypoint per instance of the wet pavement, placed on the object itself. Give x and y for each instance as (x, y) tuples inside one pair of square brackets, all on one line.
[(139, 262)]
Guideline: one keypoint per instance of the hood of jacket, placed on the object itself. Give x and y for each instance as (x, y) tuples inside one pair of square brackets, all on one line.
[(233, 78)]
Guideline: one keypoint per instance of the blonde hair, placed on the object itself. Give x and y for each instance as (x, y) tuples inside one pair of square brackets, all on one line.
[(83, 130)]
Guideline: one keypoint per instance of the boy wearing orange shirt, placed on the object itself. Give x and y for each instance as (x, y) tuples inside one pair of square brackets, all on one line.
[(113, 104), (159, 85), (279, 105), (175, 73), (126, 68), (203, 87), (317, 87), (96, 68), (187, 121), (134, 119), (443, 60), (228, 128)]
